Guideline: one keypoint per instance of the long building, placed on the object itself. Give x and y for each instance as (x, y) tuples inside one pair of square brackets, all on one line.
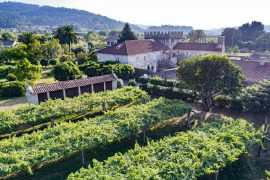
[(70, 89)]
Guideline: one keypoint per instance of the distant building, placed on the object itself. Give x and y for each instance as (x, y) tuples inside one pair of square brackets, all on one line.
[(9, 43), (70, 89), (112, 40), (157, 49)]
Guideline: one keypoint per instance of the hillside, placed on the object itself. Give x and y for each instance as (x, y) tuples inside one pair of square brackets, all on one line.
[(20, 15)]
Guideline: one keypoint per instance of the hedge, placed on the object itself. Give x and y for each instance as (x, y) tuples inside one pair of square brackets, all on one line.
[(163, 82), (12, 89), (168, 92)]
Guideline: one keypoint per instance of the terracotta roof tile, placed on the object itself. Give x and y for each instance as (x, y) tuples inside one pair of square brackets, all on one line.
[(197, 46), (253, 70), (134, 47), (72, 83)]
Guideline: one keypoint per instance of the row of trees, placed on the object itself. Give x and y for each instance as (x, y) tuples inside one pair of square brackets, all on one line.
[(250, 35)]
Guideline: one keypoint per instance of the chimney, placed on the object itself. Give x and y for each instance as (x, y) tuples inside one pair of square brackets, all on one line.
[(221, 43)]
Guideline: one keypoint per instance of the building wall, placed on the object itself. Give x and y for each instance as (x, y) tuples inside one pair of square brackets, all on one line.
[(31, 98), (105, 57), (197, 53), (141, 61)]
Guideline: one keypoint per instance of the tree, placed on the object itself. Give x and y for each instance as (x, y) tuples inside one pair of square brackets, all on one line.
[(249, 32), (197, 36), (66, 71), (126, 34), (209, 76), (27, 38), (51, 49), (262, 43), (25, 70), (66, 35), (231, 35), (5, 36)]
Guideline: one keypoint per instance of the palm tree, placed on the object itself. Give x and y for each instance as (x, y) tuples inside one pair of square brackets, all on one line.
[(66, 35), (197, 36), (27, 38)]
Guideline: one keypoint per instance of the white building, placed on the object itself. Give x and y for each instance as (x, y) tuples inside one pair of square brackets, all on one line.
[(158, 48)]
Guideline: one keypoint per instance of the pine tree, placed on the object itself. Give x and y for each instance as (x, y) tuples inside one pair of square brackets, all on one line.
[(127, 34)]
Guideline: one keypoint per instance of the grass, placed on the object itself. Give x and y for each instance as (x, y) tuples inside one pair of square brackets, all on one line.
[(12, 103)]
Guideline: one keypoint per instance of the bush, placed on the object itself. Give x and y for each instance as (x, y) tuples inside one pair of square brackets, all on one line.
[(11, 77), (66, 71), (53, 62), (123, 71), (168, 92), (229, 103), (44, 62), (143, 80), (120, 83), (132, 83), (12, 89), (5, 70), (65, 58)]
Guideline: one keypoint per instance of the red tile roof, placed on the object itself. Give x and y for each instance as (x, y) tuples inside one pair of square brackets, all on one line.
[(134, 47), (253, 70), (197, 46), (72, 83)]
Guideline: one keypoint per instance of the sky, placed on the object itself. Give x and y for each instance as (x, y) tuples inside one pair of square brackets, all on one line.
[(201, 14)]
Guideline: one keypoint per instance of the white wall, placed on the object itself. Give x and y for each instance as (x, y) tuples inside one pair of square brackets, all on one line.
[(143, 60), (138, 61), (198, 53), (105, 57), (31, 98)]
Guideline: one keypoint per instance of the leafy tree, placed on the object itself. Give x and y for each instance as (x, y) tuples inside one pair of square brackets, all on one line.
[(210, 76), (51, 49), (13, 54), (127, 34), (8, 36), (231, 35), (66, 35), (66, 71), (25, 70), (53, 62), (249, 32), (197, 36), (262, 43), (27, 38)]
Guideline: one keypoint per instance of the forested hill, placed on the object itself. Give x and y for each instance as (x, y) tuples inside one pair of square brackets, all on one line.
[(17, 15)]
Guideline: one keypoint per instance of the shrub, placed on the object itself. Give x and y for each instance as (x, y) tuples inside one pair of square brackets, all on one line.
[(168, 92), (65, 58), (5, 70), (229, 103), (12, 89), (143, 80), (120, 83), (66, 71), (11, 77), (132, 82), (44, 62), (123, 71), (53, 62)]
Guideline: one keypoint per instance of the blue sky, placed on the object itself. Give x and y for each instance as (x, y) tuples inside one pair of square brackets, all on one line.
[(204, 14)]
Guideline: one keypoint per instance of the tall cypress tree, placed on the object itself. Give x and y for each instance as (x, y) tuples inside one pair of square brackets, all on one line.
[(127, 34)]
